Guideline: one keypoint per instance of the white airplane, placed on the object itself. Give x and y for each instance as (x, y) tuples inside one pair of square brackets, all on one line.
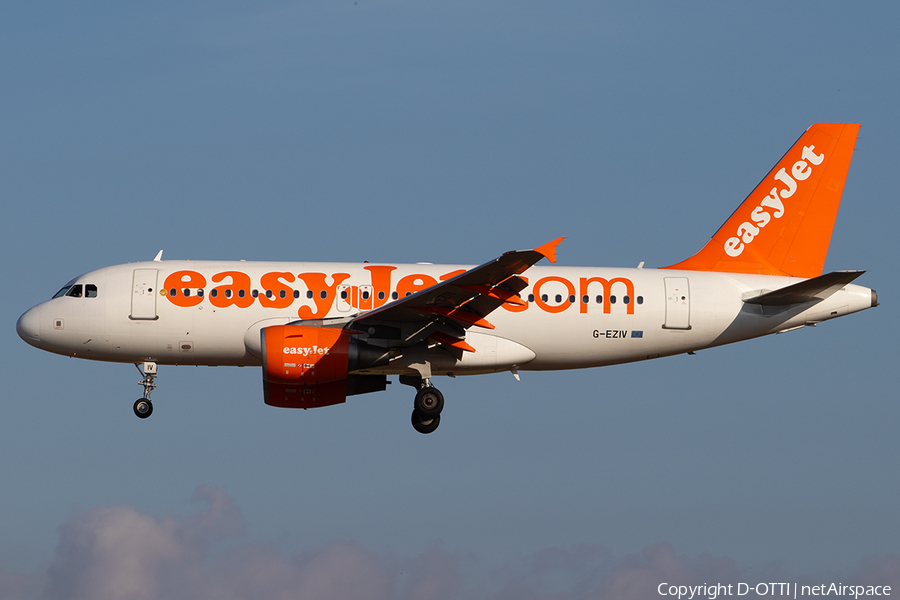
[(325, 331)]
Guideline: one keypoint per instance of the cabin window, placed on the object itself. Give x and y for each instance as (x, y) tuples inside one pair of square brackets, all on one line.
[(365, 294), (228, 293), (612, 299), (544, 297), (558, 298), (571, 299), (343, 294), (394, 295), (309, 294), (268, 293), (296, 293), (173, 292), (531, 297), (585, 299), (626, 299), (381, 295), (282, 294), (640, 299), (186, 292), (90, 290), (214, 293), (323, 294), (200, 292), (599, 299), (241, 293)]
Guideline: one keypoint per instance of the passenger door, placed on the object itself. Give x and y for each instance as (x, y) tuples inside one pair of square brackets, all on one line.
[(144, 292), (678, 303)]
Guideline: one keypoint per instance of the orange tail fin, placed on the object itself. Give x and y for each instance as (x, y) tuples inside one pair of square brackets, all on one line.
[(784, 226)]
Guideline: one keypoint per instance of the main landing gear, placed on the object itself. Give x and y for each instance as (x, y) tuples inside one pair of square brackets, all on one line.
[(427, 406), (143, 408)]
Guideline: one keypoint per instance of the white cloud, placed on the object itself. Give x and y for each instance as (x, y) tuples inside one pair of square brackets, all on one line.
[(638, 577), (117, 553), (879, 570)]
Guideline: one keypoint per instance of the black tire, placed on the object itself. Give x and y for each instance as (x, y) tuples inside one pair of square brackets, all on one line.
[(143, 408), (425, 424), (429, 402)]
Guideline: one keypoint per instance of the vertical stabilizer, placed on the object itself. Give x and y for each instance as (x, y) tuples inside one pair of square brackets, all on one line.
[(784, 226)]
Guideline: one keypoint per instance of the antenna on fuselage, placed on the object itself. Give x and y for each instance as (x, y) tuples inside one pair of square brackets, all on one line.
[(158, 257)]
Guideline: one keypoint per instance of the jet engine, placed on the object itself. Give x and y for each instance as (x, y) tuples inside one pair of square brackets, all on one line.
[(306, 367)]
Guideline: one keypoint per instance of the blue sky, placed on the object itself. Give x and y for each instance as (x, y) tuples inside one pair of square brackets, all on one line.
[(444, 132)]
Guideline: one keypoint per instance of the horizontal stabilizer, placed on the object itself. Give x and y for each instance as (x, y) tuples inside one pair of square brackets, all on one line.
[(817, 288)]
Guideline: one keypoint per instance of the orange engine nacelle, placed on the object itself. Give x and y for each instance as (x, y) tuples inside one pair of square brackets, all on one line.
[(306, 367), (306, 355)]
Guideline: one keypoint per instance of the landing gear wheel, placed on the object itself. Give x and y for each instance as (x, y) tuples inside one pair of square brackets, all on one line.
[(143, 408), (425, 424), (429, 402)]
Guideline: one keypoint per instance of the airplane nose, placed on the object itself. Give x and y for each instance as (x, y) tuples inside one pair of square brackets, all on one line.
[(29, 326)]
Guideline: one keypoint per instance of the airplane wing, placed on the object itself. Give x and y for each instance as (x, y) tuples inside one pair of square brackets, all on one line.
[(462, 301)]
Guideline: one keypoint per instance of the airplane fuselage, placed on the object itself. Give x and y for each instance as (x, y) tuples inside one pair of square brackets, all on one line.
[(574, 317)]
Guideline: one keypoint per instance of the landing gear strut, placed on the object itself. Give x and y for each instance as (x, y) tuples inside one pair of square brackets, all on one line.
[(427, 406), (143, 408)]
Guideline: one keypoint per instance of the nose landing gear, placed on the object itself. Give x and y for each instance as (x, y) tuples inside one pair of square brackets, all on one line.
[(143, 408)]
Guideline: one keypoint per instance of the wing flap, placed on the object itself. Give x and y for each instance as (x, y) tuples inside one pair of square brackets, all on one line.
[(457, 314), (448, 340)]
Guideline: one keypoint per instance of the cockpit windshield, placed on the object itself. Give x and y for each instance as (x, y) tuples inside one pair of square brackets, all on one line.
[(88, 290), (64, 289)]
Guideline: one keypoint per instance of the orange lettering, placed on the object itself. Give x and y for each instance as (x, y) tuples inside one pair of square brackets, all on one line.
[(452, 274), (180, 280), (607, 291), (546, 307), (316, 283), (414, 283), (381, 283), (236, 293), (273, 282)]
